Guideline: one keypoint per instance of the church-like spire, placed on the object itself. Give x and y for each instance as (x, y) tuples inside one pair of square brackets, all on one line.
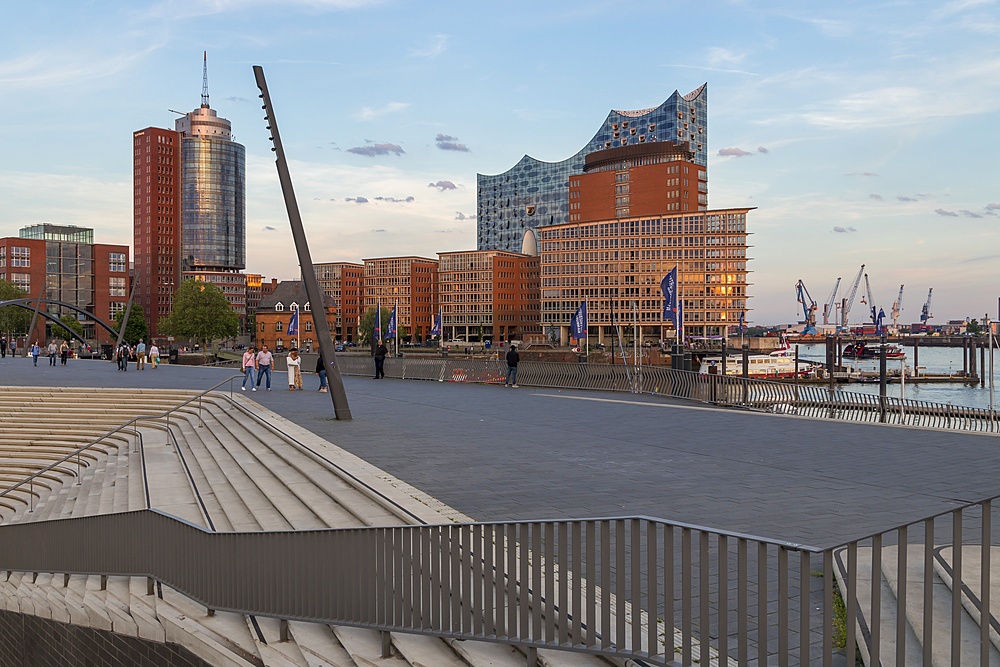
[(204, 84)]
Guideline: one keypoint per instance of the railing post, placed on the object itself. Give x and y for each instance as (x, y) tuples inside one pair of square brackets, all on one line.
[(150, 587), (282, 630), (201, 418), (532, 653), (168, 428), (31, 497), (386, 644)]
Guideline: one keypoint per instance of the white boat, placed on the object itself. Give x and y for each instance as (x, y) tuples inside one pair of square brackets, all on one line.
[(778, 364)]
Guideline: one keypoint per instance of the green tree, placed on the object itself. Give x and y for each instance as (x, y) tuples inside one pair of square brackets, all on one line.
[(13, 319), (136, 329), (69, 323), (201, 312), (974, 328), (479, 334), (366, 328)]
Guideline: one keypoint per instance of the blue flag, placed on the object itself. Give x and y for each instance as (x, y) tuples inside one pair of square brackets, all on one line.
[(390, 328), (293, 324), (742, 314), (578, 324), (878, 320), (436, 329), (670, 305)]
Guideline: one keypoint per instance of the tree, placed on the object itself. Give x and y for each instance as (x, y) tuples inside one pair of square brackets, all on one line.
[(201, 312), (366, 328), (974, 328), (69, 324), (136, 329), (13, 319)]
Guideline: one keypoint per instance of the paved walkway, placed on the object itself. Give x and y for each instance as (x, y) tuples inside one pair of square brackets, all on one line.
[(496, 453)]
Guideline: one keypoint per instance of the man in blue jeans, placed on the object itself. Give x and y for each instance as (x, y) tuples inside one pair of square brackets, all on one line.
[(264, 361), (512, 358)]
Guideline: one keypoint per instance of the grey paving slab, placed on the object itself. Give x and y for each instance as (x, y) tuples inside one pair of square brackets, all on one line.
[(496, 453)]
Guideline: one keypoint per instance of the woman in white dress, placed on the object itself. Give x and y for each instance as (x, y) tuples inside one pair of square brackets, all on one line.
[(294, 363)]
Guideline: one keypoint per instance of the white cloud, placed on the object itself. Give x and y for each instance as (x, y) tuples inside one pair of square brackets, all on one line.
[(437, 45), (57, 67), (368, 113), (719, 56)]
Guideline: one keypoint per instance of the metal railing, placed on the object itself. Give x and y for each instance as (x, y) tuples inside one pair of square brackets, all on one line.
[(768, 395), (30, 480)]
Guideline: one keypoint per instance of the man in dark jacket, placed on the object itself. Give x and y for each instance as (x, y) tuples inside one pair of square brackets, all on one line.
[(512, 358), (380, 352)]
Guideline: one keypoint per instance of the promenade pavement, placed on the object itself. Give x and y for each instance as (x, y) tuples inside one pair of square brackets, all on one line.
[(497, 454)]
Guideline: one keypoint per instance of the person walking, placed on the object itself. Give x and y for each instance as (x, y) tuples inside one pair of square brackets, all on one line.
[(51, 350), (321, 372), (35, 351), (294, 364), (248, 365), (380, 353), (3, 348), (154, 356), (64, 351), (264, 361), (512, 360), (140, 356), (123, 353)]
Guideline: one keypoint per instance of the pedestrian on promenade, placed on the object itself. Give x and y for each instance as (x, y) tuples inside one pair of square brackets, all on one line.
[(35, 351), (294, 364), (52, 349), (154, 355), (380, 353), (264, 361), (248, 365), (321, 372), (122, 354), (140, 356), (512, 360), (3, 348), (64, 351)]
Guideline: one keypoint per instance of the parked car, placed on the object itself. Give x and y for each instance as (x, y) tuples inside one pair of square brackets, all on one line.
[(340, 348)]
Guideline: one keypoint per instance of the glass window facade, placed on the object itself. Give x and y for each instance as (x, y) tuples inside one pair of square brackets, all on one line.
[(213, 206), (535, 194)]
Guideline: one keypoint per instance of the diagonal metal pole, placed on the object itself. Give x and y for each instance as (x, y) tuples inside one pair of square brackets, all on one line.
[(34, 318), (341, 409), (128, 310)]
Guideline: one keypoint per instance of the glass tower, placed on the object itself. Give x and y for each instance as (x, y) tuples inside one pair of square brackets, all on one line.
[(535, 194)]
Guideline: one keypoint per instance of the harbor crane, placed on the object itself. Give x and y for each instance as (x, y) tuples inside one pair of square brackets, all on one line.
[(871, 302), (896, 308), (925, 312), (809, 306), (848, 303), (828, 307)]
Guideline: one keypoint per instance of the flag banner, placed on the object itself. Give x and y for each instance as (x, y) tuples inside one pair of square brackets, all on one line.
[(579, 322), (293, 324), (390, 328), (670, 304), (742, 315), (878, 320), (436, 329)]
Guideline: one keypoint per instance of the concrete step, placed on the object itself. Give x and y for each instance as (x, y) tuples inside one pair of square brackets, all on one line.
[(971, 589), (274, 651), (365, 647), (319, 646), (208, 491)]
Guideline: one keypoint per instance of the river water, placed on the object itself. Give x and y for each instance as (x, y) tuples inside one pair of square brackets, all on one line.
[(935, 360)]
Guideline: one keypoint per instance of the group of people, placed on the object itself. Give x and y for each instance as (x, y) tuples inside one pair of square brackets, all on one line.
[(5, 345), (263, 361), (124, 352), (52, 350)]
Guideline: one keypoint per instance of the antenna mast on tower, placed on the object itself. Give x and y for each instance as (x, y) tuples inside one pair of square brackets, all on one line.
[(204, 84)]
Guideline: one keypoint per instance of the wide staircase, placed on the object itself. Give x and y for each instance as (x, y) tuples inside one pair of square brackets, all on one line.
[(220, 467)]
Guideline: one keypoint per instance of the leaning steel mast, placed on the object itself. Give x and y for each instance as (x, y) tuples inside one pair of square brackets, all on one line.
[(327, 349)]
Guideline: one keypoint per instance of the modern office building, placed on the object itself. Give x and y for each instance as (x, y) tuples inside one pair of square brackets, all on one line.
[(342, 282), (535, 194), (73, 269), (616, 265), (189, 208), (410, 282), (489, 294)]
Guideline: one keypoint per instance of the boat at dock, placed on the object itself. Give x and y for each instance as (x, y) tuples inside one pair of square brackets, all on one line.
[(778, 364), (873, 351)]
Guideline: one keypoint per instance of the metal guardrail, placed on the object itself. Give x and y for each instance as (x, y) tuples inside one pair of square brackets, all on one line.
[(768, 395)]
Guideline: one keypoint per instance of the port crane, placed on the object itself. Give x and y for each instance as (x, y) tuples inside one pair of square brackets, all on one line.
[(925, 312), (809, 306), (896, 308), (871, 302), (848, 303), (828, 307)]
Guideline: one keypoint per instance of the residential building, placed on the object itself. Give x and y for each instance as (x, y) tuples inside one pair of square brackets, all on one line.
[(410, 282), (534, 194), (489, 294), (616, 265), (342, 282), (275, 312)]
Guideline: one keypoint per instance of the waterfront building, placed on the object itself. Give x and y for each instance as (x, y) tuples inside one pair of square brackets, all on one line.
[(616, 265), (342, 282), (411, 282), (489, 294), (275, 313), (535, 194)]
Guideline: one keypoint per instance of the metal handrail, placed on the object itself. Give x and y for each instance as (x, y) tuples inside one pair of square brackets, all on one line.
[(134, 420)]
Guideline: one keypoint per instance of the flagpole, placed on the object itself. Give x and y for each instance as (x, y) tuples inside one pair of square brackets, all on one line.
[(586, 309)]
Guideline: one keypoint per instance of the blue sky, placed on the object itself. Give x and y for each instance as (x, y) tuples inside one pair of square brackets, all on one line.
[(870, 130)]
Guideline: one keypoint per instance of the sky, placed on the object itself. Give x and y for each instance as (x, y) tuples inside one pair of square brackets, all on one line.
[(862, 132)]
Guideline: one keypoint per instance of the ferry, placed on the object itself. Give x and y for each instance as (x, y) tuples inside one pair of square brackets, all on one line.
[(778, 364), (872, 352)]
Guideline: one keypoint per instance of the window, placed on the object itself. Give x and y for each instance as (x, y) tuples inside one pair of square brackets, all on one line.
[(116, 286), (117, 307), (21, 280), (279, 307), (20, 256), (3, 256), (117, 261), (294, 306), (306, 307), (277, 326), (309, 325), (261, 326)]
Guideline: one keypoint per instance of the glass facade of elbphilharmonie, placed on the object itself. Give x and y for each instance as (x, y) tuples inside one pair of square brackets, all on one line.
[(535, 194)]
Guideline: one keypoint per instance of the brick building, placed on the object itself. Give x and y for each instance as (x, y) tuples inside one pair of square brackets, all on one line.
[(343, 282), (409, 281), (489, 292), (275, 313)]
